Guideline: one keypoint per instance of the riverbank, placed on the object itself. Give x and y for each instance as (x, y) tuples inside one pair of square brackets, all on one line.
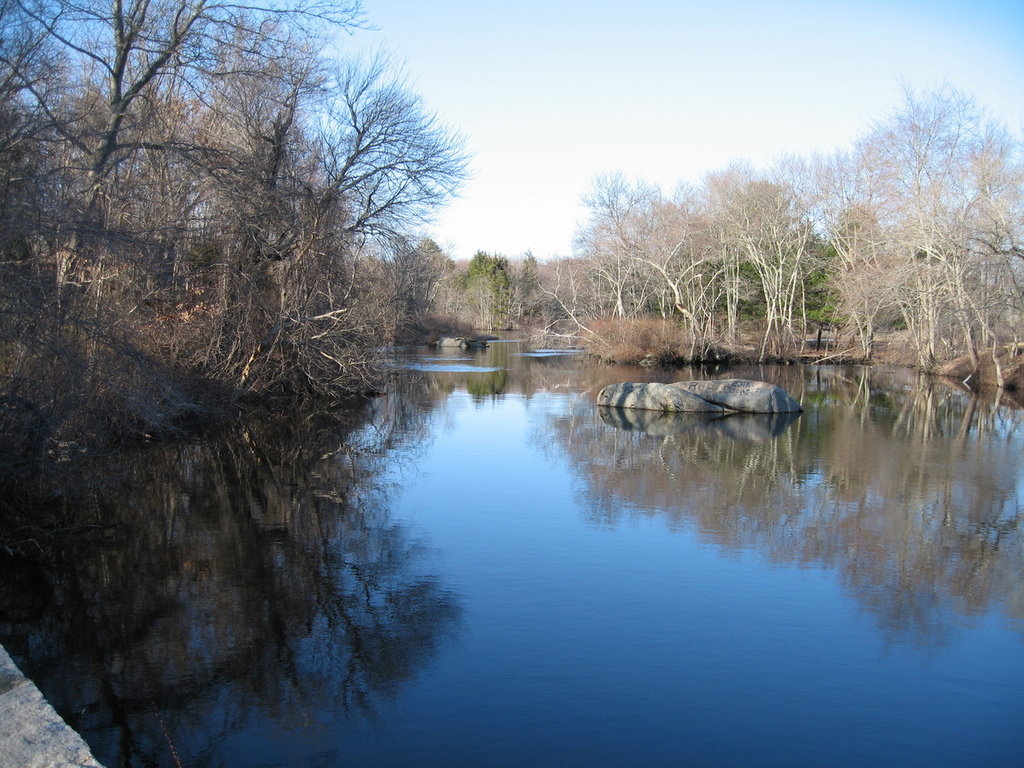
[(655, 343), (52, 423), (32, 734), (44, 461)]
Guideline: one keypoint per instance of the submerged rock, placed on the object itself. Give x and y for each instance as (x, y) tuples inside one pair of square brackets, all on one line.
[(718, 395)]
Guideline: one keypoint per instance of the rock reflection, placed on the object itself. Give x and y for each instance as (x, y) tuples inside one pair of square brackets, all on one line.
[(908, 488), (755, 427), (257, 584)]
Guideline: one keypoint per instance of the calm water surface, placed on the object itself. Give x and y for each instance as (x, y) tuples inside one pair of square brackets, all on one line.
[(483, 569)]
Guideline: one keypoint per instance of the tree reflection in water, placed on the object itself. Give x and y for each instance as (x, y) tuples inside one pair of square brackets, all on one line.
[(896, 483), (250, 581), (254, 594)]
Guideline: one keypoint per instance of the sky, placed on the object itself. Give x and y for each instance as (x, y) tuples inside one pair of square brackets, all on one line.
[(549, 95)]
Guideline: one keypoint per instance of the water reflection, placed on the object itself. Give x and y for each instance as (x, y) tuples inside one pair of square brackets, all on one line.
[(905, 486), (483, 385), (510, 367), (733, 426), (264, 597), (250, 583)]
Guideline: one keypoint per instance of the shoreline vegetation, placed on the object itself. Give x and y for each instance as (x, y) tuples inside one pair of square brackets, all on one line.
[(653, 343)]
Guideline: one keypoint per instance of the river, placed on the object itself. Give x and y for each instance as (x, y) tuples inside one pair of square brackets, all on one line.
[(482, 569)]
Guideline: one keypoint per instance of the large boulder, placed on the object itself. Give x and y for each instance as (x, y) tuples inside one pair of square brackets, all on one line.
[(448, 341), (460, 343), (654, 397), (742, 395), (712, 396)]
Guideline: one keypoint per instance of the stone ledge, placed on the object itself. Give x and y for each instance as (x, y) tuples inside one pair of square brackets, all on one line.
[(32, 734)]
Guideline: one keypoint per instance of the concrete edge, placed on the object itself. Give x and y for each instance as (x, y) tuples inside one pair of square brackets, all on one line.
[(32, 734)]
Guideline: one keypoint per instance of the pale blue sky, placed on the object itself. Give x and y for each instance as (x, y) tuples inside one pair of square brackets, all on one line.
[(550, 94)]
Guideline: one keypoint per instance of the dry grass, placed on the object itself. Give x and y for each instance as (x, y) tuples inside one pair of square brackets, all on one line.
[(630, 342), (984, 373), (649, 341)]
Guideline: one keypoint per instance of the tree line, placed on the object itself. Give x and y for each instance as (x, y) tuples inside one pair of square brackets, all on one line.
[(916, 233), (199, 195), (908, 245)]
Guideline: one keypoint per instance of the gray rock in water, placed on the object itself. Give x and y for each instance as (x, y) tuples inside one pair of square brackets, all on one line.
[(743, 395), (32, 734), (461, 343), (448, 341), (654, 397)]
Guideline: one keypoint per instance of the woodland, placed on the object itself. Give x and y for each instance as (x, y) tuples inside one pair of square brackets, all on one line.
[(201, 205), (906, 247), (205, 206)]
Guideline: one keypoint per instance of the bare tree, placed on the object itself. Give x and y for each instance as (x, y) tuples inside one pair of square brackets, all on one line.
[(946, 184), (333, 201), (127, 50), (768, 222), (611, 239), (31, 73), (391, 160), (217, 200)]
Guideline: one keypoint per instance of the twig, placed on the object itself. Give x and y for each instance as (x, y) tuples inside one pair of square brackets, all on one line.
[(167, 736)]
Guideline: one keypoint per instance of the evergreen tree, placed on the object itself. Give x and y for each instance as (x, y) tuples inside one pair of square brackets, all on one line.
[(489, 289)]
